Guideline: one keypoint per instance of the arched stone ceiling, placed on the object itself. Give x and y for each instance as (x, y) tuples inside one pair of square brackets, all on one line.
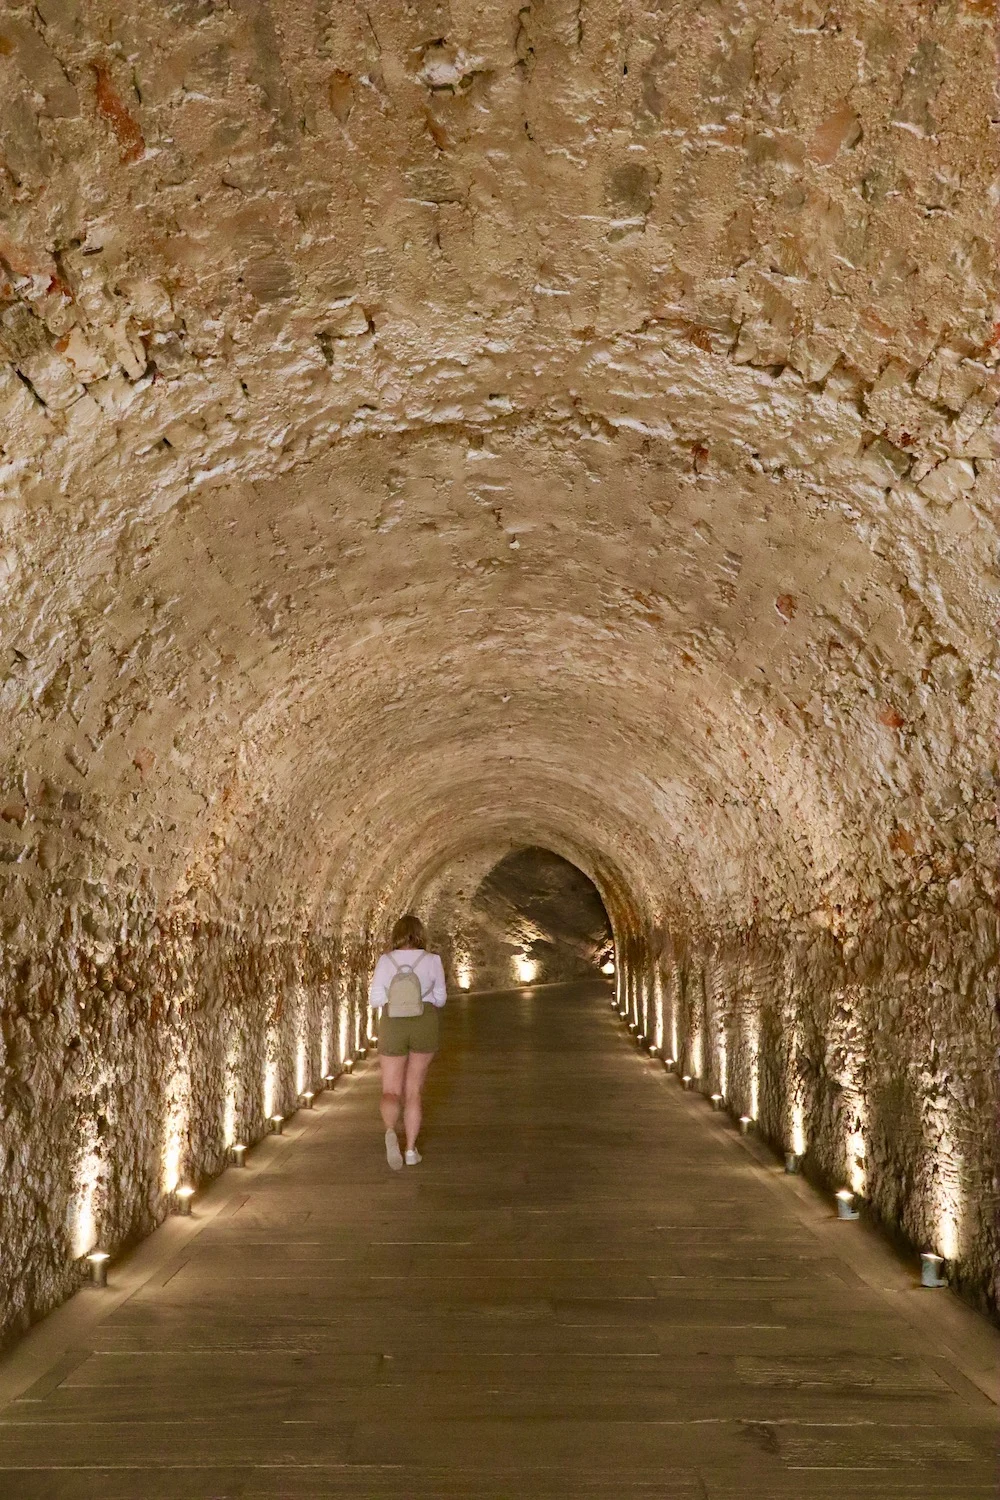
[(424, 425)]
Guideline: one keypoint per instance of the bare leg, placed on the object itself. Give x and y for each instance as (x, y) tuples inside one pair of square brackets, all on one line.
[(393, 1071), (416, 1072)]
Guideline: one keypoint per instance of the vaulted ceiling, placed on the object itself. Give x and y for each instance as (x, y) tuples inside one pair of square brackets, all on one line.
[(429, 426)]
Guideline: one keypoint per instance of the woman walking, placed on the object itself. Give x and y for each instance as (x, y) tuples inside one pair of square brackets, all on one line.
[(407, 991)]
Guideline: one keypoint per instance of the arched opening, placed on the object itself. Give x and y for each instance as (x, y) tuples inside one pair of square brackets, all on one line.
[(533, 918)]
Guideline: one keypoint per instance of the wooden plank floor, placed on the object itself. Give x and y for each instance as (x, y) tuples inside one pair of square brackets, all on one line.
[(590, 1287)]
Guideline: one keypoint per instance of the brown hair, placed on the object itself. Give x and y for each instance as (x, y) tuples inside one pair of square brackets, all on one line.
[(409, 932)]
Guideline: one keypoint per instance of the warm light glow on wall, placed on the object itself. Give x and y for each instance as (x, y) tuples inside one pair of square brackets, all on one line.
[(723, 1067), (301, 1064), (343, 1031), (463, 972), (525, 968), (608, 967), (856, 1155), (324, 1044), (270, 1083), (948, 1198), (229, 1114), (657, 1027), (753, 1047), (948, 1231), (674, 1031), (797, 1129), (175, 1126), (83, 1208)]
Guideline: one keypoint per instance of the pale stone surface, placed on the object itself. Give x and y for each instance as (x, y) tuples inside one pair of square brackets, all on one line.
[(427, 430)]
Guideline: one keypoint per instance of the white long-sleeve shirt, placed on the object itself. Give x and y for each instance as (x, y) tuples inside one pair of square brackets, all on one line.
[(427, 966)]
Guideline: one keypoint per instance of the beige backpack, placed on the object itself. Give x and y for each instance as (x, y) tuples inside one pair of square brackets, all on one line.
[(405, 995)]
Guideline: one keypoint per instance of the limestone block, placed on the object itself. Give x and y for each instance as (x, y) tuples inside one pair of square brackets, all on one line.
[(53, 379), (86, 361), (948, 480)]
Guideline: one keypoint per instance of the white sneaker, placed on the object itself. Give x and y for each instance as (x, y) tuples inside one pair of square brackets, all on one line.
[(392, 1152), (412, 1157)]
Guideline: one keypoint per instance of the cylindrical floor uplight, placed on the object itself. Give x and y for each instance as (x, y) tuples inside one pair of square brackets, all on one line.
[(687, 1080), (745, 1122), (845, 1205), (717, 1101), (329, 1079), (348, 1064), (182, 1198), (98, 1262), (930, 1270), (277, 1123), (308, 1098), (670, 1063), (791, 1163), (239, 1154)]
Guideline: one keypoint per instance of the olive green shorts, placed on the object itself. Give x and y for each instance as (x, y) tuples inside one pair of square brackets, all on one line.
[(398, 1036)]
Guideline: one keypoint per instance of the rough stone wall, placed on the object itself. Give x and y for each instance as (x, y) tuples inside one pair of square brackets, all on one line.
[(133, 1053), (436, 426), (871, 1054)]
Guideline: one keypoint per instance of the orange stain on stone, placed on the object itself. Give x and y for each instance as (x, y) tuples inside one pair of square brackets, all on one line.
[(786, 605), (901, 841), (22, 262), (891, 717), (123, 123)]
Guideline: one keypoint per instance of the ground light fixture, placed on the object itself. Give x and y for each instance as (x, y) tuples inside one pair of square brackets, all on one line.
[(745, 1122), (182, 1198), (362, 1051), (348, 1064), (329, 1079), (791, 1163), (687, 1080), (930, 1269), (239, 1154), (633, 1027), (845, 1205), (654, 1050), (670, 1063), (717, 1101), (640, 1040), (277, 1123), (98, 1262), (308, 1098)]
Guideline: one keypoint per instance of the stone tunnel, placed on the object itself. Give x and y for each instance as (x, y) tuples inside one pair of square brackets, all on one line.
[(534, 465)]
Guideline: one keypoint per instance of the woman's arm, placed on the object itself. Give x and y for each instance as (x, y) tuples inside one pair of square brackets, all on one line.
[(438, 993), (381, 980)]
